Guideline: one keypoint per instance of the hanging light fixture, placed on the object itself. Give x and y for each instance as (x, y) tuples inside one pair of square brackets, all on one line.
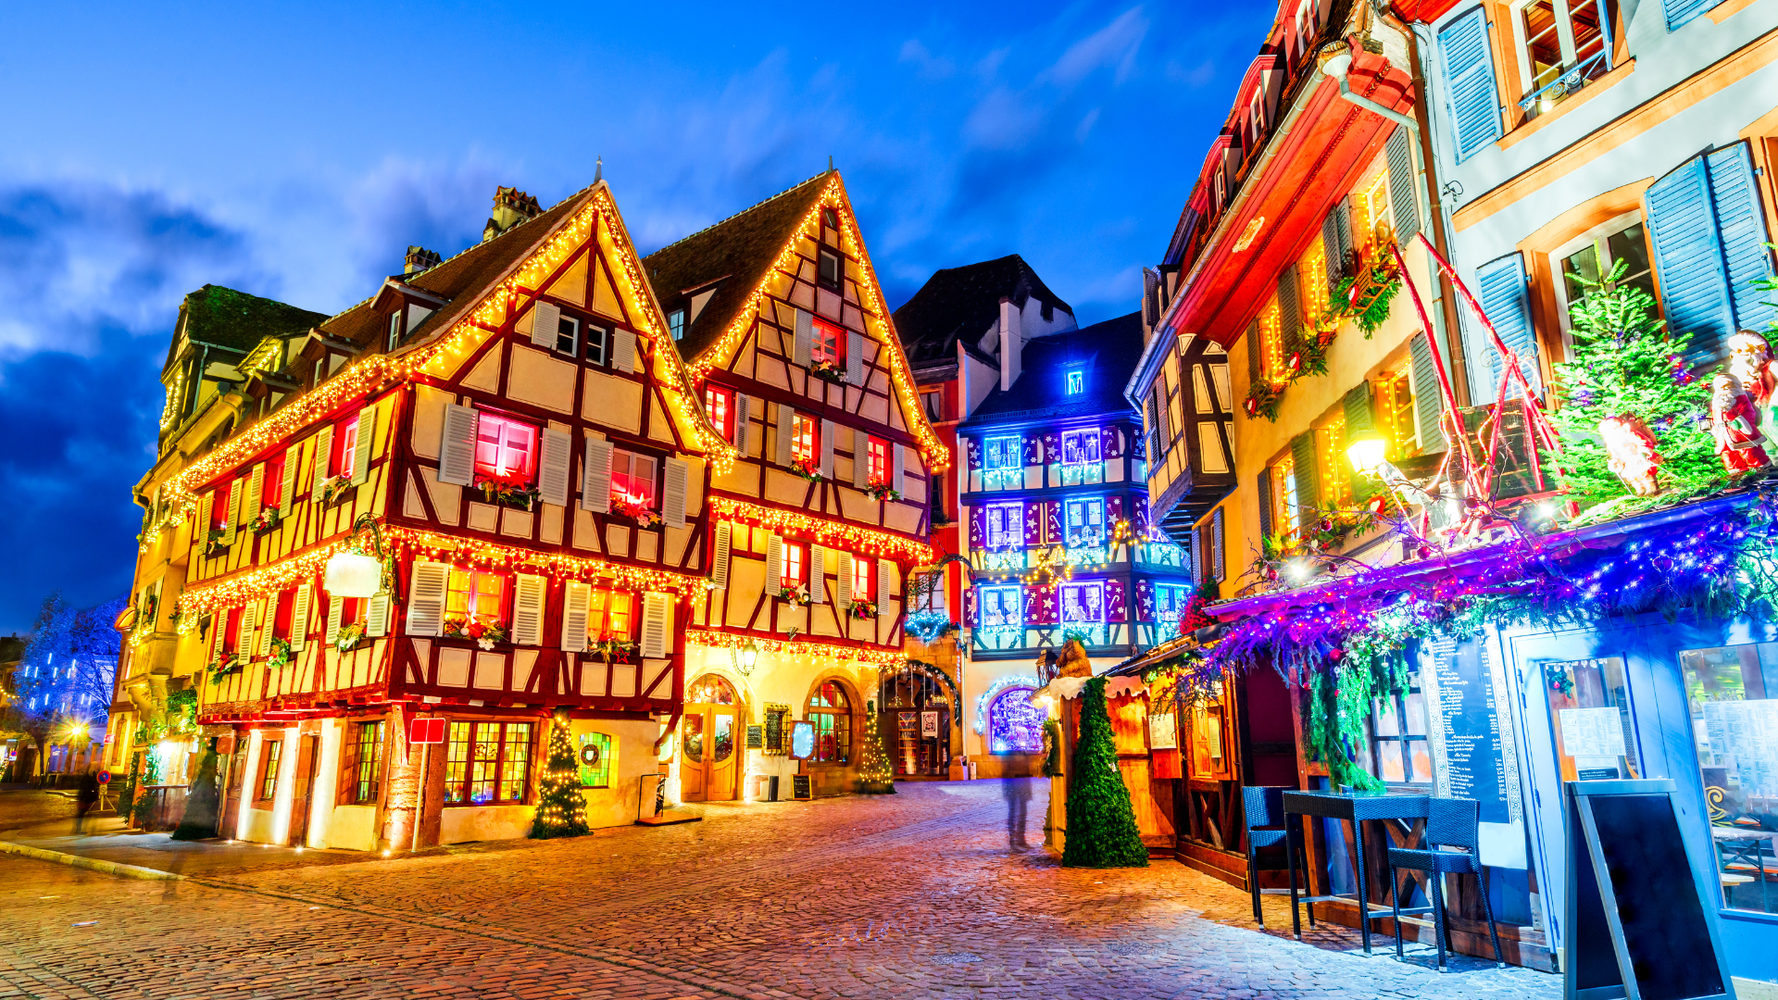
[(351, 573)]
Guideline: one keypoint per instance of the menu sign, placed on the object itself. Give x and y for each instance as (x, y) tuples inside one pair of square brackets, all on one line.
[(1476, 755)]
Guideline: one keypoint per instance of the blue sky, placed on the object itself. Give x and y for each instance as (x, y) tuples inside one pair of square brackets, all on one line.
[(295, 152)]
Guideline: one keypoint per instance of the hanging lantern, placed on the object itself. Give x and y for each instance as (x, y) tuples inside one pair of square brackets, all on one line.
[(352, 574)]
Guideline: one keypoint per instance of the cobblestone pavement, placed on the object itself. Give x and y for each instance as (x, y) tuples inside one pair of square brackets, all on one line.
[(912, 896)]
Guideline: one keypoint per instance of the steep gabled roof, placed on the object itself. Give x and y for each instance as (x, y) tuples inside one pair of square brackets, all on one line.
[(738, 251), (228, 318), (1108, 351), (964, 302)]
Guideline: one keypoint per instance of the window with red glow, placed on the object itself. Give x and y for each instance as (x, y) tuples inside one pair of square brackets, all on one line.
[(282, 613), (505, 449), (796, 558), (272, 489), (824, 343), (863, 580), (802, 439), (632, 477), (351, 610), (879, 460), (219, 505), (612, 612), (719, 402), (231, 630), (476, 595), (345, 445)]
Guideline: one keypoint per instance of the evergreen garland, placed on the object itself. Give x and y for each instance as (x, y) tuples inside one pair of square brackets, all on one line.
[(561, 812), (1052, 748), (1101, 822)]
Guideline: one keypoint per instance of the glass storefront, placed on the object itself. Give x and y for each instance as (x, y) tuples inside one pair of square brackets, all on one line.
[(1734, 721)]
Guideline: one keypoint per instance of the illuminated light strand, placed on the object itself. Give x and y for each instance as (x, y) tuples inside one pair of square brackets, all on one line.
[(854, 537), (794, 647)]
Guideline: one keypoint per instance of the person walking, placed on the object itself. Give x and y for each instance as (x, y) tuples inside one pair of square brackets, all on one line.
[(85, 799), (1017, 792)]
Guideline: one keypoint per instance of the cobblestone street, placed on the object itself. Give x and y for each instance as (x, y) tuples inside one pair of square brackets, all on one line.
[(911, 896)]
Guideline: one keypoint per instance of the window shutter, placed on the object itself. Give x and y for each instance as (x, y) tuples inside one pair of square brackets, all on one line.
[(1308, 480), (1501, 290), (1402, 202), (898, 472), (200, 532), (817, 575), (232, 513), (1256, 371), (719, 555), (1429, 403), (1741, 225), (299, 616), (456, 452), (774, 564), (843, 592), (218, 622), (623, 350), (673, 497), (785, 429), (335, 605), (426, 598), (885, 581), (1219, 570), (552, 466), (860, 459), (361, 450), (1290, 313), (1359, 419), (742, 415), (657, 626), (1166, 414), (268, 616), (595, 482), (826, 458), (545, 320), (324, 454), (527, 610), (376, 615), (1196, 563), (255, 489), (854, 357), (577, 598), (799, 351), (287, 489), (1266, 527), (1153, 427), (248, 638), (1680, 11), (1333, 247), (1469, 83)]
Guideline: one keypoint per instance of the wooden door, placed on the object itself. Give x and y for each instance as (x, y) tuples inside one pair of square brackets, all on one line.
[(231, 801), (303, 791), (723, 755), (694, 778)]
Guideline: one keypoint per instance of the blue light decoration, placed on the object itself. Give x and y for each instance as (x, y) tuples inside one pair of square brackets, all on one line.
[(928, 625), (1014, 724), (1001, 686), (802, 740)]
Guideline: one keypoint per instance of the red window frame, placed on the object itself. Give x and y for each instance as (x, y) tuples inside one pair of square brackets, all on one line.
[(483, 769), (231, 630), (345, 446), (271, 490), (283, 613), (611, 612), (864, 578), (795, 569), (492, 454), (630, 483), (719, 402), (827, 342), (802, 438), (877, 451)]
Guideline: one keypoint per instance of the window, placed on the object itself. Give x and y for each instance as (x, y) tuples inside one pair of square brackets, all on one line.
[(632, 477), (1080, 447), (395, 329), (1170, 600), (476, 595), (831, 713), (505, 449), (611, 612), (1370, 207), (830, 268), (283, 611), (1083, 603), (1333, 470), (1583, 267), (796, 560), (1001, 607), (802, 439), (231, 632), (1077, 382), (345, 447), (1399, 722), (676, 324), (487, 762), (863, 580), (824, 343), (594, 752), (720, 404), (596, 338), (271, 489), (934, 402), (1271, 339), (270, 753), (1085, 520), (361, 769), (219, 505), (1003, 454), (1014, 724), (877, 451), (1392, 395), (1005, 525), (830, 218), (1563, 48), (1284, 503), (1732, 695), (568, 336), (1312, 282)]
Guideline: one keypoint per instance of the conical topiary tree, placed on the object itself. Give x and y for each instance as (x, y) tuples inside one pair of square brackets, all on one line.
[(561, 812), (1101, 823), (875, 776), (199, 821)]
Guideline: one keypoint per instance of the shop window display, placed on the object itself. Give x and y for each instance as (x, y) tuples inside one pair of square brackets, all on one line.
[(1729, 691)]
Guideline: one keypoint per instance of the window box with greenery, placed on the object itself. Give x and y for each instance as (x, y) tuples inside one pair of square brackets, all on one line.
[(280, 655), (611, 647), (880, 490), (636, 510), (828, 371), (807, 468), (226, 664), (794, 594), (507, 492), (349, 636), (487, 635), (337, 490), (267, 520), (213, 542), (862, 609)]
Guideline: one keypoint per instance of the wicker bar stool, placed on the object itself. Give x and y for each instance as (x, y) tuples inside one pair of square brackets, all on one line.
[(1266, 827), (1452, 848)]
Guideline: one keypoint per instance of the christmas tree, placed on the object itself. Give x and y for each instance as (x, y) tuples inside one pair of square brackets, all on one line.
[(875, 776), (561, 812), (1627, 362), (1101, 823), (199, 821)]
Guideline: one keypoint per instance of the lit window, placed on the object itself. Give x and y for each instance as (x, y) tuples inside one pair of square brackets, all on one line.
[(595, 343), (505, 449), (1083, 603), (1080, 447), (1014, 724), (830, 268), (611, 612), (824, 343), (1086, 520), (345, 446), (1393, 396), (795, 558), (1000, 607), (676, 323), (1005, 524), (719, 403), (476, 596), (487, 762), (831, 714), (632, 477), (863, 580), (1003, 453), (567, 335), (879, 460), (1370, 207), (802, 439), (1332, 464), (1169, 600), (1077, 382), (219, 505), (1284, 503), (270, 752), (1271, 337), (361, 765), (231, 632), (1312, 282), (595, 760), (1583, 269)]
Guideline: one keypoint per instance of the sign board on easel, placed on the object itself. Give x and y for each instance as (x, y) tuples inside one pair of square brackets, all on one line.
[(1642, 920)]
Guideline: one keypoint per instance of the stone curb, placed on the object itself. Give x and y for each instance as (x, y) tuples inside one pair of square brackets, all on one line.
[(92, 864)]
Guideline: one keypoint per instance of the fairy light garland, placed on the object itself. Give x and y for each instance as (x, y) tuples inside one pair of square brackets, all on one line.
[(792, 647), (852, 537)]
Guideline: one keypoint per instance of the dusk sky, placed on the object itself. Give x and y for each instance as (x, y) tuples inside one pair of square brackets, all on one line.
[(295, 153)]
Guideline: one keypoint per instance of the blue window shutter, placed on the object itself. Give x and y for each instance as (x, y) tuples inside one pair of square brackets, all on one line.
[(1680, 11), (1469, 82), (1741, 226), (1688, 259), (1500, 285)]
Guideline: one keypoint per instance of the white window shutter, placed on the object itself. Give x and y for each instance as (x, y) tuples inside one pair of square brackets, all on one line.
[(786, 431), (720, 551), (527, 610), (287, 490), (843, 593), (673, 497), (657, 625), (577, 598), (860, 459), (552, 466), (546, 317), (456, 452), (854, 357), (898, 471), (623, 350), (804, 336), (335, 605), (595, 481), (255, 490), (361, 445), (741, 417), (774, 564), (828, 430), (299, 616), (817, 575), (268, 613), (249, 637), (376, 615), (200, 533), (426, 589), (885, 580), (324, 452), (218, 622)]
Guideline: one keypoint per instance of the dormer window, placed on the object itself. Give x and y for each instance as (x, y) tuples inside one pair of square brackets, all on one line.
[(395, 329), (596, 337), (830, 268), (676, 323), (1077, 382)]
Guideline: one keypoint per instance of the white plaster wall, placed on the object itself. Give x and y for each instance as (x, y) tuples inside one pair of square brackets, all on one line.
[(461, 824), (325, 785), (352, 828), (251, 764)]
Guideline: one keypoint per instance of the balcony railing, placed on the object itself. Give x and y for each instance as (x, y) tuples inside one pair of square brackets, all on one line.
[(1549, 95)]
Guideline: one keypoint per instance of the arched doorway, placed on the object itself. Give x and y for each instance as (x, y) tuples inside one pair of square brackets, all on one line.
[(917, 709), (710, 754)]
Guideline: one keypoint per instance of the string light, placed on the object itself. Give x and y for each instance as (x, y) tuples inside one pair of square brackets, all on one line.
[(852, 537), (792, 647)]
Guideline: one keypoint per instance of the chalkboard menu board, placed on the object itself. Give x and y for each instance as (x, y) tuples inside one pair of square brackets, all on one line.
[(800, 787), (1473, 746), (775, 716), (756, 737)]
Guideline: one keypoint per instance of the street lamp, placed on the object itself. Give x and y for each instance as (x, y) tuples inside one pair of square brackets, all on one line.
[(1368, 452), (351, 573)]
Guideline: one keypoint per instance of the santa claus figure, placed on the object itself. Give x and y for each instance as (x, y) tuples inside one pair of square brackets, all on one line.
[(1734, 422), (1750, 361), (1630, 452)]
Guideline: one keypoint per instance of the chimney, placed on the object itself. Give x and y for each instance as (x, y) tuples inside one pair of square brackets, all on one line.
[(511, 207), (419, 259), (1012, 343)]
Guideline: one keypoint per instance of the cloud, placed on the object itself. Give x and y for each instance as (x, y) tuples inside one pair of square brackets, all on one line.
[(1002, 120), (930, 67), (1195, 76), (1086, 125), (1113, 45)]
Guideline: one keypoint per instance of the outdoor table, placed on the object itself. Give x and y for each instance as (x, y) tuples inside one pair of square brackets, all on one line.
[(1725, 835), (1354, 809)]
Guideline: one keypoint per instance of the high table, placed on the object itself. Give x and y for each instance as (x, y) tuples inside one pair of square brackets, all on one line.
[(1354, 809)]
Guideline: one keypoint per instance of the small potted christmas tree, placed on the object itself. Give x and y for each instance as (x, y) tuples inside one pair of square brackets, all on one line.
[(561, 812)]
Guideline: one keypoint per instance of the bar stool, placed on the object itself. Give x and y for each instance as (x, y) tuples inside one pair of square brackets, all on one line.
[(1266, 827), (1450, 823)]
